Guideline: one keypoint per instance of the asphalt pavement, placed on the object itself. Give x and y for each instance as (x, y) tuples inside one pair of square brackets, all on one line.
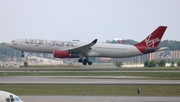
[(99, 99), (109, 80)]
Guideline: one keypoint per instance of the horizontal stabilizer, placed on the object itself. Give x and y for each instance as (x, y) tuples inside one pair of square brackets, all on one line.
[(162, 48)]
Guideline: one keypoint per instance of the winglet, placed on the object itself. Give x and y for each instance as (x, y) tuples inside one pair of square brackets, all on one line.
[(95, 41)]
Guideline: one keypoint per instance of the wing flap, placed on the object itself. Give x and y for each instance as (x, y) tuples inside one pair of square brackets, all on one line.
[(85, 48)]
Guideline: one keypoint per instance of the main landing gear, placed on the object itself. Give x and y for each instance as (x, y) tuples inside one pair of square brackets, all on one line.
[(85, 61), (22, 55)]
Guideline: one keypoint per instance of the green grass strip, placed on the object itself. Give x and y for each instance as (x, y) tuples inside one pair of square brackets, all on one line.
[(107, 90)]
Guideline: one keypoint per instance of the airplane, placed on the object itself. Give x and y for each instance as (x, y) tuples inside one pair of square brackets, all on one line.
[(8, 97), (121, 42), (84, 50)]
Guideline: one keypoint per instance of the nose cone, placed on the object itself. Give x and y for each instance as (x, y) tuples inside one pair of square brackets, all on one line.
[(9, 44)]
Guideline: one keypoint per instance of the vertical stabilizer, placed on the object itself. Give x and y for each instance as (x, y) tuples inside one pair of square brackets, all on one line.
[(153, 39)]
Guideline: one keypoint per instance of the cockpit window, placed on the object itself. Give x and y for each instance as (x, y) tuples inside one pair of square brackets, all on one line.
[(16, 99)]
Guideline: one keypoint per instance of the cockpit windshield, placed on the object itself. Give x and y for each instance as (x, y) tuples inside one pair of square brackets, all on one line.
[(13, 99), (16, 99)]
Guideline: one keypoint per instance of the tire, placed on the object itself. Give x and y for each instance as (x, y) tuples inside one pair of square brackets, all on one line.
[(89, 63), (80, 60), (22, 55), (85, 60), (84, 63)]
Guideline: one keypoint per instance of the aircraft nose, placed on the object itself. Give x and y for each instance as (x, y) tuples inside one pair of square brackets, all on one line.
[(9, 44)]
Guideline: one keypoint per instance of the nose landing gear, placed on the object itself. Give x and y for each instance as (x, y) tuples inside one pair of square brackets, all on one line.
[(22, 55)]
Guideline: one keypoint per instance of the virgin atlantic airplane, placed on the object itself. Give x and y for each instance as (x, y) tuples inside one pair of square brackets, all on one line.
[(82, 50)]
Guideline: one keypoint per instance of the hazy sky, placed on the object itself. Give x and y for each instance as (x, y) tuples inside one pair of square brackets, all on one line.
[(87, 20)]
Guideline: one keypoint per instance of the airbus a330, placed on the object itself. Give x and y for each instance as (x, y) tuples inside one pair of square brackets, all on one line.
[(83, 50)]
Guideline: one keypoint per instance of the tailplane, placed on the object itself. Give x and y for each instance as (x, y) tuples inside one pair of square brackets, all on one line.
[(153, 40), (121, 42)]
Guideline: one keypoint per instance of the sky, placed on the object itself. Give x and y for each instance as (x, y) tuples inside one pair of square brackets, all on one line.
[(86, 20)]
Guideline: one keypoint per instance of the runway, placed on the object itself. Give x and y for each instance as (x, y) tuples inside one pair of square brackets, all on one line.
[(99, 99), (109, 80), (90, 80), (154, 71)]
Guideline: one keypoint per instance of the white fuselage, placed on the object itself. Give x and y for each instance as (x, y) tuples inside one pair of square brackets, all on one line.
[(98, 50), (5, 96)]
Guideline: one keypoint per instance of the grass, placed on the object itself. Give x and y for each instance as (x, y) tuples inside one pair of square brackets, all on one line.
[(150, 75), (109, 90)]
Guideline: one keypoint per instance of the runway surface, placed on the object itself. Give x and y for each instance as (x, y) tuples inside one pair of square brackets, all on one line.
[(81, 80), (109, 80), (98, 99), (162, 71)]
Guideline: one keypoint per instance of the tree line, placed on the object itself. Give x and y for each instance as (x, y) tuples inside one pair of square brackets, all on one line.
[(172, 44), (7, 52), (160, 63)]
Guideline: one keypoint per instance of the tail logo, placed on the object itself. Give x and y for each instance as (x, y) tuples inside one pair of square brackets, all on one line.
[(151, 42)]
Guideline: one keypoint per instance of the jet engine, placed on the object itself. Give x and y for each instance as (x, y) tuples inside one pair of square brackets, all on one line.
[(64, 54), (61, 54)]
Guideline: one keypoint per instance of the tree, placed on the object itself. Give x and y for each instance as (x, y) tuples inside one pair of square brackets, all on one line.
[(178, 63), (152, 63), (161, 63), (171, 44), (7, 52), (118, 64), (172, 64), (146, 64)]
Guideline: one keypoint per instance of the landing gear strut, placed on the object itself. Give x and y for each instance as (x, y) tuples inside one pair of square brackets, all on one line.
[(85, 61), (22, 55)]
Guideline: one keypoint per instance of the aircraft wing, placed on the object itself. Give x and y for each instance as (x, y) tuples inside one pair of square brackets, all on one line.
[(83, 49)]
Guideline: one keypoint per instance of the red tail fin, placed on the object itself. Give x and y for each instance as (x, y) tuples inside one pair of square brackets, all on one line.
[(154, 38), (121, 42)]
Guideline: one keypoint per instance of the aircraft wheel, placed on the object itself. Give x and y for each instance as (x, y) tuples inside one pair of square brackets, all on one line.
[(84, 63), (85, 60), (89, 63), (80, 60), (22, 55)]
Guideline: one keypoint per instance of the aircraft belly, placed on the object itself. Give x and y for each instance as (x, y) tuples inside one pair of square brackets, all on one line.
[(110, 53), (118, 52)]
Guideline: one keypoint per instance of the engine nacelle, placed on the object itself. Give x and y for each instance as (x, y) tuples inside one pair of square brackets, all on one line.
[(64, 54), (61, 54)]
